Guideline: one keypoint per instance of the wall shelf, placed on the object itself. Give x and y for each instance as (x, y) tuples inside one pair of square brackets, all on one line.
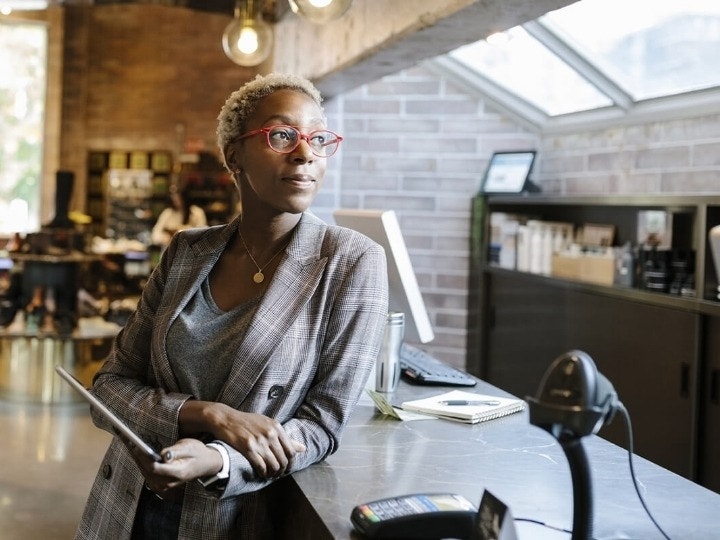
[(659, 349)]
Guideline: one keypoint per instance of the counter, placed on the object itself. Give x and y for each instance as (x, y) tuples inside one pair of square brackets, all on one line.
[(519, 463)]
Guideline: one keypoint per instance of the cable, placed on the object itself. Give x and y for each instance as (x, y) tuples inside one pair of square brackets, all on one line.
[(546, 525), (628, 424)]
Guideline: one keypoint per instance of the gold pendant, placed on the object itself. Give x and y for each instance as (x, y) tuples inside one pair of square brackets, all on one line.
[(258, 277)]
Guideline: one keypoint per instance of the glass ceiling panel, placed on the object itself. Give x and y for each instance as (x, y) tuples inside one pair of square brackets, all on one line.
[(651, 48), (641, 49), (527, 68)]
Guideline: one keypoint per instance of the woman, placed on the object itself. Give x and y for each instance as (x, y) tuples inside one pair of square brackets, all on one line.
[(252, 341), (178, 216)]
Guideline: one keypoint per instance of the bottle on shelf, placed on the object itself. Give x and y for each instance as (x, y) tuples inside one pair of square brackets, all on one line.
[(625, 266)]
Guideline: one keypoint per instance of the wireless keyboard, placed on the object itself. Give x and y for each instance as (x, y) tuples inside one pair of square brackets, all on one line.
[(419, 367)]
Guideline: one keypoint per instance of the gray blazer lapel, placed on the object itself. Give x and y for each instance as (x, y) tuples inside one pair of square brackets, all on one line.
[(294, 283)]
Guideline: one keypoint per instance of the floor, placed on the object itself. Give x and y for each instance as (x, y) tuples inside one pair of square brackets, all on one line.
[(49, 455)]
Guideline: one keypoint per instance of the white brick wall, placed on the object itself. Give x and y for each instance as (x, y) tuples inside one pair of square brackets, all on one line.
[(679, 156), (418, 145)]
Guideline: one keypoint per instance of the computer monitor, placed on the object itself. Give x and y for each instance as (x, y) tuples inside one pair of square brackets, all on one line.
[(382, 226)]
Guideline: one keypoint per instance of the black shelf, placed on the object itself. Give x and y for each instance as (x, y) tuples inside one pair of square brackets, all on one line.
[(693, 217), (519, 321)]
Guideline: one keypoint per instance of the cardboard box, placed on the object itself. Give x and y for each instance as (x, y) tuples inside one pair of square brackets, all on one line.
[(597, 235), (590, 268)]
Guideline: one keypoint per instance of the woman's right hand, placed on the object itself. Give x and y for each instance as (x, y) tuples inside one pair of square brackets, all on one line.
[(262, 440), (184, 461)]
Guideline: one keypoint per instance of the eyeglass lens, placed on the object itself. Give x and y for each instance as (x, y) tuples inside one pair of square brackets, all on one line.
[(285, 139)]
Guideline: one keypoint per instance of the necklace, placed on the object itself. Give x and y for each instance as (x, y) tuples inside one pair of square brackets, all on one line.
[(258, 277)]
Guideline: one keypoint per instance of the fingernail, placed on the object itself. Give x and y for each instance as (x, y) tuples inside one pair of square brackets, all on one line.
[(168, 456)]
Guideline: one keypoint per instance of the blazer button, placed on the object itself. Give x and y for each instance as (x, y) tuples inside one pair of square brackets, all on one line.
[(275, 391), (106, 471)]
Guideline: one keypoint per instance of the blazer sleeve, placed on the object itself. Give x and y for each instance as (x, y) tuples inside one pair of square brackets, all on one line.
[(126, 381)]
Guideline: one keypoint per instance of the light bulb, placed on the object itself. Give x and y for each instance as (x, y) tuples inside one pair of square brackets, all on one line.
[(320, 11), (247, 41)]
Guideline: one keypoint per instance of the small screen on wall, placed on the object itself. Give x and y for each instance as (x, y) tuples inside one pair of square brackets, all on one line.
[(508, 172)]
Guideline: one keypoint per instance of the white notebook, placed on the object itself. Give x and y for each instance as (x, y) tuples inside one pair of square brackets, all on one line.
[(468, 407)]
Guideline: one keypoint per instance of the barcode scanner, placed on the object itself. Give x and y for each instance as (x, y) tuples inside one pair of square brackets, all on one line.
[(573, 401)]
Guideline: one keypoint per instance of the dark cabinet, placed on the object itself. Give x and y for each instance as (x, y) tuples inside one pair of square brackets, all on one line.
[(649, 353), (709, 462), (661, 351)]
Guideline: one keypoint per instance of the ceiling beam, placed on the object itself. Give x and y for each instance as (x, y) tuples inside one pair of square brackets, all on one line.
[(380, 37)]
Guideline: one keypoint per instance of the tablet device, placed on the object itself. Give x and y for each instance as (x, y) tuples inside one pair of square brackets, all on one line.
[(117, 423), (509, 172)]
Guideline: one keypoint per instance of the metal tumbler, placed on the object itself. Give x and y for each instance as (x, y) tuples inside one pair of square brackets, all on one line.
[(387, 370)]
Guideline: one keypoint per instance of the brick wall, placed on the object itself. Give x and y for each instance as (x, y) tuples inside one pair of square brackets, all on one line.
[(419, 146), (134, 81), (677, 156)]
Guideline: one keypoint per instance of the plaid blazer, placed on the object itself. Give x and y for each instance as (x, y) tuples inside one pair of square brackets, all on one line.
[(304, 361)]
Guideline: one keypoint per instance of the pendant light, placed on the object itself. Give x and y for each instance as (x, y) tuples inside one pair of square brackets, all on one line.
[(320, 11), (247, 40)]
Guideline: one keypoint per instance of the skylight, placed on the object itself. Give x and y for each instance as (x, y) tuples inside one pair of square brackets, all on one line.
[(526, 67), (651, 48), (598, 55)]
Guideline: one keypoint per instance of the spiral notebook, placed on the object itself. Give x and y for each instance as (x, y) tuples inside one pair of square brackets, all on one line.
[(468, 407)]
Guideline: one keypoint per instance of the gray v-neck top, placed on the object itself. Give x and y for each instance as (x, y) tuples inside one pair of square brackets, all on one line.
[(203, 341)]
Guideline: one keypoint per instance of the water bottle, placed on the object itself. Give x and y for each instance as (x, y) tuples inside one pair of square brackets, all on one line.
[(625, 267), (387, 370)]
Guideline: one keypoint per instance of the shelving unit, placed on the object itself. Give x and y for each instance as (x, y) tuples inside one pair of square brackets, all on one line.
[(127, 191), (209, 186), (660, 350)]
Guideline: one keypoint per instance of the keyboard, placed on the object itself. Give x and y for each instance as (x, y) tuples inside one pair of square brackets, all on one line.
[(421, 368)]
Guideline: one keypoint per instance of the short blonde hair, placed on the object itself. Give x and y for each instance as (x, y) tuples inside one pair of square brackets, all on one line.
[(243, 102)]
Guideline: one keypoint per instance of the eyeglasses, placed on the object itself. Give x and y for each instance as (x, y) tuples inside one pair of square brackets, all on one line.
[(285, 139)]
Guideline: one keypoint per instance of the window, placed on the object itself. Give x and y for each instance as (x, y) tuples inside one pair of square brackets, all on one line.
[(544, 79), (23, 53), (651, 48), (598, 55)]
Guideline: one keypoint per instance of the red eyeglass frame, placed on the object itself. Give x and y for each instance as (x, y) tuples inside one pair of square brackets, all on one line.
[(301, 136)]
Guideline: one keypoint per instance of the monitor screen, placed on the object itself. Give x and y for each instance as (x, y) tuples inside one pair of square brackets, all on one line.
[(382, 226), (508, 172)]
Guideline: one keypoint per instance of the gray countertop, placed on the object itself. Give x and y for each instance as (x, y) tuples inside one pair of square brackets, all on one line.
[(519, 463)]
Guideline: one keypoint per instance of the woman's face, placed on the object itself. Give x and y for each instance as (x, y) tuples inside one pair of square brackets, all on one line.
[(280, 182)]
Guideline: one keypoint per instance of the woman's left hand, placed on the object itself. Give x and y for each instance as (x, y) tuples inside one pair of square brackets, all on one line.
[(261, 439)]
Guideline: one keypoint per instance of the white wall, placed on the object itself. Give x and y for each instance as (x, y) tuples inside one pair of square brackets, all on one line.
[(417, 144)]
